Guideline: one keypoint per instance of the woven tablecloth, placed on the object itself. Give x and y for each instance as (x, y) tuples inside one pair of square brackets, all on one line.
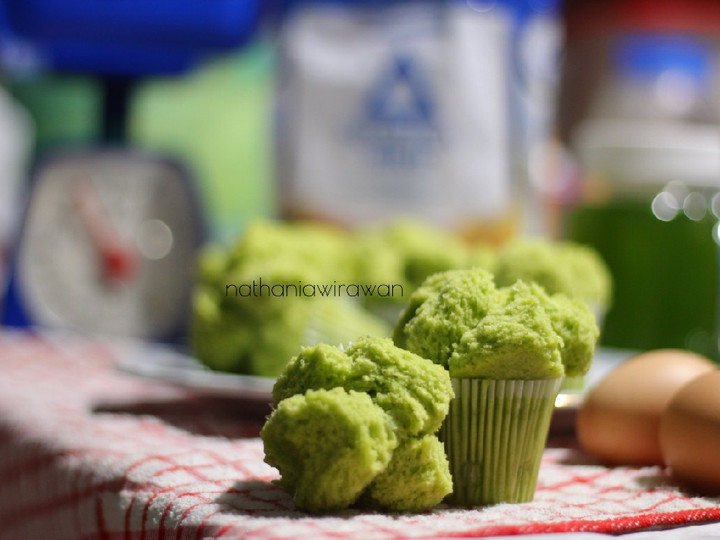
[(89, 453)]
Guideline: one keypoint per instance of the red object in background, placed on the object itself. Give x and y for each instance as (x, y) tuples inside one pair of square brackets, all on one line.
[(590, 28), (118, 261), (585, 18)]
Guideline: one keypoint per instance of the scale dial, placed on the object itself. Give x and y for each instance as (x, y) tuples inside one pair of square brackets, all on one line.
[(109, 245)]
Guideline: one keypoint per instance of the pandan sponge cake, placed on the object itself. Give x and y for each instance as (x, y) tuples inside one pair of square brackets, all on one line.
[(414, 479), (425, 249), (572, 269), (410, 393), (257, 335), (514, 340), (506, 350), (277, 247), (411, 390), (329, 446), (443, 308), (240, 324), (576, 324), (404, 253)]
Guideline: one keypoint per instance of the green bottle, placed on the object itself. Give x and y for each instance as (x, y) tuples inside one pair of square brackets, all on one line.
[(651, 140), (664, 268)]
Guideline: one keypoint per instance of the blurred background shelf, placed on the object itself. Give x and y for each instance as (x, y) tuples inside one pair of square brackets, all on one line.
[(589, 120)]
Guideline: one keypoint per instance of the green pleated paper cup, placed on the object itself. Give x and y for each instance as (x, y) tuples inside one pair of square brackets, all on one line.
[(494, 436)]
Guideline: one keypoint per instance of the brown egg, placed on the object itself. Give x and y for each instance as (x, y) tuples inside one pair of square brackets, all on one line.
[(690, 434), (619, 420)]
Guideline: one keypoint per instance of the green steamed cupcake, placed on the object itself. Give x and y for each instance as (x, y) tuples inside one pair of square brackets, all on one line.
[(250, 314), (425, 250), (442, 309), (515, 340), (403, 254), (505, 349), (416, 478), (574, 270), (328, 446), (575, 323), (411, 393)]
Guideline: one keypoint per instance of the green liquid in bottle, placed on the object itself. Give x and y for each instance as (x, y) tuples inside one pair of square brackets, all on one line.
[(665, 275)]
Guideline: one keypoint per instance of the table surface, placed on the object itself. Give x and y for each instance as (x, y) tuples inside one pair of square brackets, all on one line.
[(87, 452)]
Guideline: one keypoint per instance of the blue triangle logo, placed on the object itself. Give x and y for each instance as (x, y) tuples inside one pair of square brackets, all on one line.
[(401, 96)]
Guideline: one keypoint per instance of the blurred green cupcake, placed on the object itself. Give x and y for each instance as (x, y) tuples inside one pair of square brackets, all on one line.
[(405, 252), (258, 302), (575, 270)]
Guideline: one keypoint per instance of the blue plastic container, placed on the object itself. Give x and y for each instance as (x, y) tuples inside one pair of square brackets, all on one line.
[(128, 37)]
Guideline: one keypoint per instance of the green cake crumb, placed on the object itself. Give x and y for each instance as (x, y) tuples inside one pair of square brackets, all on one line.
[(483, 256), (416, 478), (328, 446), (425, 249), (328, 397), (407, 251), (514, 340), (462, 321), (559, 267), (320, 366), (442, 310), (576, 324), (240, 325), (413, 391)]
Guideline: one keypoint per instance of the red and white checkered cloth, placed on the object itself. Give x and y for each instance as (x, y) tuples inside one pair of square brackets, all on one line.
[(87, 453)]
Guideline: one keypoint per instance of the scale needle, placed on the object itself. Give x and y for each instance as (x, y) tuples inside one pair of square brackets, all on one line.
[(117, 257)]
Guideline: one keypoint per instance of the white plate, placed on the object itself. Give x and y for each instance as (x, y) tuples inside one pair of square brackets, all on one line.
[(166, 365)]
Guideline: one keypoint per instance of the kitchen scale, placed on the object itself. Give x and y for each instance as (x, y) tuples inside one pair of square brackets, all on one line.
[(107, 245), (109, 237)]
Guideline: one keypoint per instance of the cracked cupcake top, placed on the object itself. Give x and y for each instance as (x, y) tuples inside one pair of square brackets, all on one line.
[(462, 321)]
